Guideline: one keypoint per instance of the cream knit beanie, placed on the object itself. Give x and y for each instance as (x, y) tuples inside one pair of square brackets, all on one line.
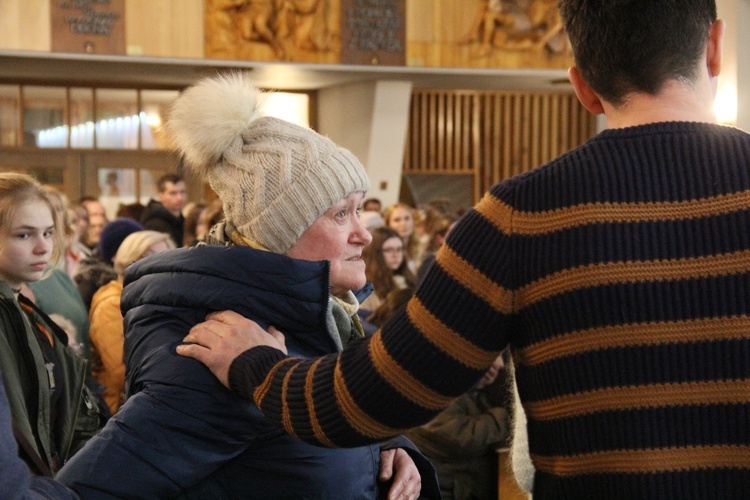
[(274, 177)]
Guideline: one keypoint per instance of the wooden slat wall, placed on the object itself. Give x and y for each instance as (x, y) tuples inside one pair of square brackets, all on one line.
[(442, 135), (491, 135)]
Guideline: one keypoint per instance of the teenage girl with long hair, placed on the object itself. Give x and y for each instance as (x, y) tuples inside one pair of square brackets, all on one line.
[(53, 413), (385, 266)]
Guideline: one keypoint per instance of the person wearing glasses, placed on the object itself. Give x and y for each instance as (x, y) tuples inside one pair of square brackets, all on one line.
[(385, 266)]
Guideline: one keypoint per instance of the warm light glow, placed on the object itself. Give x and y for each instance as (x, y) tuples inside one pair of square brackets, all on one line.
[(292, 107), (122, 132), (725, 104), (153, 120), (115, 133)]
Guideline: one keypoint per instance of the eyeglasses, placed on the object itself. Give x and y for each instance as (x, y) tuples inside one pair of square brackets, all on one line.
[(393, 250)]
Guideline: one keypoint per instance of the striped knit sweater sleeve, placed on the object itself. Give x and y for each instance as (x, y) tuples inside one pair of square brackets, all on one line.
[(619, 274)]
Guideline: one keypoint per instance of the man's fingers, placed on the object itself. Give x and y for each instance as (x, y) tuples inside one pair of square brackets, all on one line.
[(214, 360), (194, 351), (202, 334), (278, 336), (227, 317), (386, 464)]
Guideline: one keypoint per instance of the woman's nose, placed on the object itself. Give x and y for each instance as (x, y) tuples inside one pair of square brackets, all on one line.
[(360, 233)]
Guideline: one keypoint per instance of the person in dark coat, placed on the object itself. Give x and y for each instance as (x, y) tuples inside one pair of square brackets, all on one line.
[(462, 439), (290, 256), (164, 214)]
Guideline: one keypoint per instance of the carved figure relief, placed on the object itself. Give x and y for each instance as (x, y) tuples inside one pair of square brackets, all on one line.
[(238, 28), (518, 25)]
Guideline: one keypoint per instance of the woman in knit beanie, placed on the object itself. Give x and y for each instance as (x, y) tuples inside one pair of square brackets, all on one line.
[(288, 254)]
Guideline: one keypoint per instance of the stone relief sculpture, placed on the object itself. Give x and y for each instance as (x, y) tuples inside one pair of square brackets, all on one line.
[(524, 25), (285, 26)]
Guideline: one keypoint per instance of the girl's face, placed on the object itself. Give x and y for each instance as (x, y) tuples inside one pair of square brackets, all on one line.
[(28, 245), (393, 253), (401, 221), (337, 236)]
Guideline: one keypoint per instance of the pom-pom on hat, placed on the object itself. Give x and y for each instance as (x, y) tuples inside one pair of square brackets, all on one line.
[(113, 234), (274, 177)]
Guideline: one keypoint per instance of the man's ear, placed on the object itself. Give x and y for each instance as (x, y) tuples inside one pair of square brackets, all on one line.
[(715, 47), (585, 94)]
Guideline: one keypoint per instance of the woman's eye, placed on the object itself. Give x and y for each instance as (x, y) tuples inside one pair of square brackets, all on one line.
[(49, 233)]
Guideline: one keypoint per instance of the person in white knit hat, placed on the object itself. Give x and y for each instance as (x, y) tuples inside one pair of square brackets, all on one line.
[(287, 254)]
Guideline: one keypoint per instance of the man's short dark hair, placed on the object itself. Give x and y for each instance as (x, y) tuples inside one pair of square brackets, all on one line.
[(625, 46), (161, 184), (372, 200)]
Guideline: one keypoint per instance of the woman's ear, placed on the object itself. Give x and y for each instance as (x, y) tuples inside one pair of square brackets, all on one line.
[(585, 94)]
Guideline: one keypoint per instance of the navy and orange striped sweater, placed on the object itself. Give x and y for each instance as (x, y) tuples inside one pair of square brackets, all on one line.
[(619, 274)]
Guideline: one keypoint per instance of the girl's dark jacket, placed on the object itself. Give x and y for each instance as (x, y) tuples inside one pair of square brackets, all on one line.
[(180, 432), (28, 386)]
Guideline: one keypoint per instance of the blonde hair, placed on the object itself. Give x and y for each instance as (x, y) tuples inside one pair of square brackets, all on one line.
[(17, 189), (135, 245), (63, 201)]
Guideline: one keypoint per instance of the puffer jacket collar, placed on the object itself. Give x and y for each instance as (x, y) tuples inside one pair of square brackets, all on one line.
[(272, 289)]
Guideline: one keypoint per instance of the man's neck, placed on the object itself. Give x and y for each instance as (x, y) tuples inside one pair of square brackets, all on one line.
[(675, 102), (175, 213)]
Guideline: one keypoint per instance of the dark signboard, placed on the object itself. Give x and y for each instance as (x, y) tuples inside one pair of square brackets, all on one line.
[(88, 26), (373, 32)]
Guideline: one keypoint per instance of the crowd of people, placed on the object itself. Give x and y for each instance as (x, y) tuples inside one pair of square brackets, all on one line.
[(77, 299), (298, 339), (63, 320)]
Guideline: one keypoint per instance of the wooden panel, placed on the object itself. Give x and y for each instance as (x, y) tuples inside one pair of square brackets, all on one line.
[(491, 135), (164, 28), (25, 25), (444, 33)]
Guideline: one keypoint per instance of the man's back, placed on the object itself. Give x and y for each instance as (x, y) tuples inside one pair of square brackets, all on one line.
[(627, 278)]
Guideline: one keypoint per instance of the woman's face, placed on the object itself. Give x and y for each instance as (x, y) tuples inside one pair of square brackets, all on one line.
[(81, 220), (393, 253), (401, 221), (73, 223), (28, 244), (338, 237)]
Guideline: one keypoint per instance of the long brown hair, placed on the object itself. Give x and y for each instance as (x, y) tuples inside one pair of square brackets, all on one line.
[(376, 269), (395, 300)]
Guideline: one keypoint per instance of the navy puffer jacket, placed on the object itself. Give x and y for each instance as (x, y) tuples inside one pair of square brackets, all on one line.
[(180, 432)]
